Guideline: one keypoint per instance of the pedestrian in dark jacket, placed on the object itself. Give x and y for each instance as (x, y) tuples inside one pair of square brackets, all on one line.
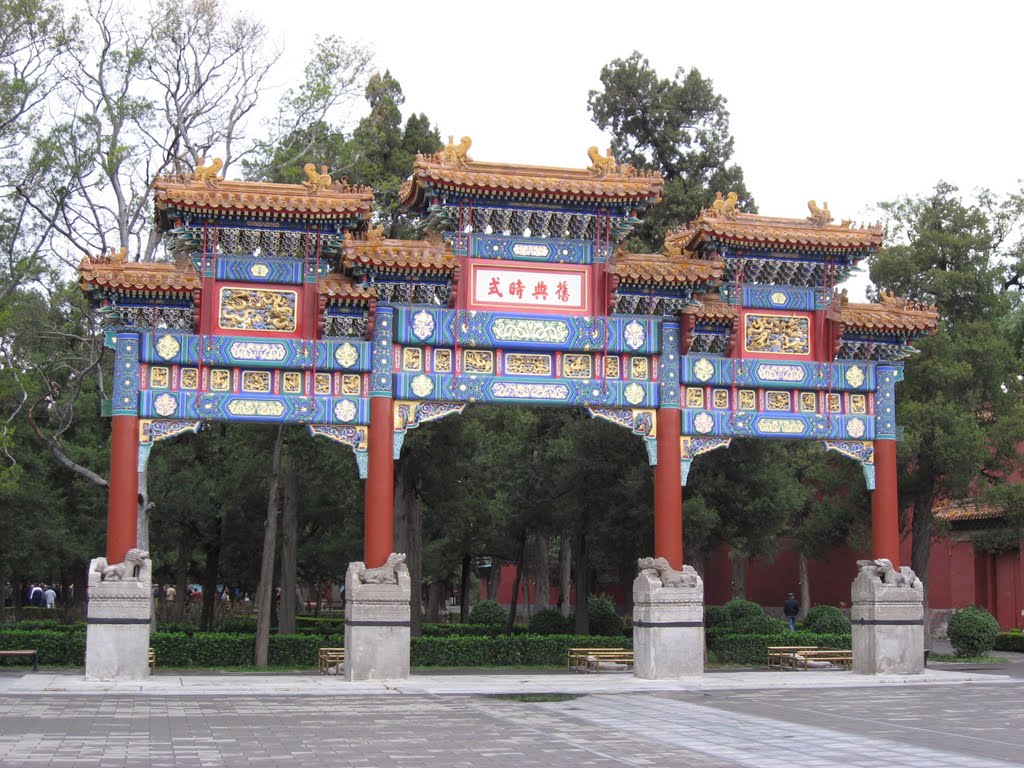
[(790, 608)]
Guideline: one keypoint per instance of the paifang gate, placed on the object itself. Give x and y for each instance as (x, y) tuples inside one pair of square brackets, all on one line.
[(282, 303)]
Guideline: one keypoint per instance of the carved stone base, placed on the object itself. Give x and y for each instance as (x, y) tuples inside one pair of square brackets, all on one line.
[(888, 626), (376, 626), (668, 624), (118, 620)]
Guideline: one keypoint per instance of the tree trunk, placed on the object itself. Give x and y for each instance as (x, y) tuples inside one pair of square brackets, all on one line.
[(409, 538), (265, 592), (739, 574), (494, 579), (542, 595), (181, 578), (582, 578), (805, 586), (289, 552), (142, 522), (564, 573), (464, 580), (921, 550), (210, 578), (434, 599), (514, 607)]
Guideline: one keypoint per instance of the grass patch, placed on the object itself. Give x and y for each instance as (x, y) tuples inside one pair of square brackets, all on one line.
[(948, 659)]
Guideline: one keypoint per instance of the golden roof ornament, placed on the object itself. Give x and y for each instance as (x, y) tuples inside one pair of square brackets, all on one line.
[(316, 181), (820, 216), (375, 232), (208, 173), (725, 207), (599, 165), (456, 154)]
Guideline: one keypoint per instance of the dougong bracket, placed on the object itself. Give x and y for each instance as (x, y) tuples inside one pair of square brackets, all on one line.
[(692, 447), (862, 451), (410, 414), (639, 421), (353, 437), (152, 430)]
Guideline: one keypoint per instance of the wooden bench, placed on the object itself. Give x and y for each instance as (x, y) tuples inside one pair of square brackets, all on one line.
[(152, 661), (33, 655), (589, 659), (800, 656), (330, 657), (779, 656), (835, 656)]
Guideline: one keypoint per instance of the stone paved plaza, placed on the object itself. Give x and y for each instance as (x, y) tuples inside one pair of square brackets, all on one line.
[(731, 719)]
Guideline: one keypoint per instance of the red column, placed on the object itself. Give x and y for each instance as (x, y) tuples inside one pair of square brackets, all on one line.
[(668, 490), (379, 521), (123, 496), (885, 512)]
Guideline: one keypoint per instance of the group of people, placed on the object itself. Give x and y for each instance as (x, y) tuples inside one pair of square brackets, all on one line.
[(41, 595)]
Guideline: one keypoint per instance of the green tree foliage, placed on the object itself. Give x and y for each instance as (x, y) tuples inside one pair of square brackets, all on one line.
[(677, 126), (961, 402), (826, 619)]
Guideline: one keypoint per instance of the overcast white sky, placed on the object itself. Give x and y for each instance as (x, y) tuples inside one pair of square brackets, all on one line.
[(852, 103)]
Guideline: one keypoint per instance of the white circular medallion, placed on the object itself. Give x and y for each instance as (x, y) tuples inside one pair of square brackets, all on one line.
[(345, 410), (422, 385), (346, 355), (855, 428)]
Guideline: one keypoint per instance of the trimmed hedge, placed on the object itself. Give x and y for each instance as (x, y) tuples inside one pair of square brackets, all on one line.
[(54, 647), (753, 649), (549, 621), (505, 650), (1010, 641), (488, 612), (468, 630), (827, 619)]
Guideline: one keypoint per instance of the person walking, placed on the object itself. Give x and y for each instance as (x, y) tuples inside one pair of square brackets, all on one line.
[(790, 608), (50, 596)]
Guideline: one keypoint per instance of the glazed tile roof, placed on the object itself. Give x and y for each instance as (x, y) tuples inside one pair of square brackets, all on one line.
[(712, 308), (966, 509), (528, 179), (778, 232), (335, 286), (183, 192), (660, 268), (399, 254), (147, 276), (892, 315)]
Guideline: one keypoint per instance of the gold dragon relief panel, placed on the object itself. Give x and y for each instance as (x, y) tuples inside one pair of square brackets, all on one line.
[(189, 378), (611, 367), (220, 380), (694, 397), (778, 401), (159, 377), (577, 366), (808, 402), (777, 334), (721, 398), (322, 384), (477, 361), (443, 360), (293, 383), (256, 381), (528, 365), (265, 309), (351, 384), (639, 368), (747, 400), (858, 403)]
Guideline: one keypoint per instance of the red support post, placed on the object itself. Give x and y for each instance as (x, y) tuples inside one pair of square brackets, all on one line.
[(885, 512), (123, 494), (668, 490), (379, 525)]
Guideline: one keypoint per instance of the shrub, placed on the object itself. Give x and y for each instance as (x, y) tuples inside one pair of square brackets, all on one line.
[(972, 631), (220, 649), (549, 621), (488, 612), (757, 625), (1010, 641), (183, 628), (324, 625), (827, 619), (54, 647), (297, 650), (714, 616), (737, 610), (172, 649), (603, 618)]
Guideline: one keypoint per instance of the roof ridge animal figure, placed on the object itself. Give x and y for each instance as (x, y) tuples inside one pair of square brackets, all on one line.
[(457, 154), (316, 181), (601, 165), (208, 173)]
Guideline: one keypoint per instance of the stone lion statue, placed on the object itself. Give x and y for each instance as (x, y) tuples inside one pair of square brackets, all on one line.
[(135, 561), (386, 574), (658, 566), (883, 570)]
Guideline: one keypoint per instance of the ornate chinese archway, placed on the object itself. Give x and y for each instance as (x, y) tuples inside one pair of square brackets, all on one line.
[(280, 303)]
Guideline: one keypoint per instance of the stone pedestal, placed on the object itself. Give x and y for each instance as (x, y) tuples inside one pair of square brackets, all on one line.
[(668, 621), (887, 614), (377, 621), (118, 619)]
